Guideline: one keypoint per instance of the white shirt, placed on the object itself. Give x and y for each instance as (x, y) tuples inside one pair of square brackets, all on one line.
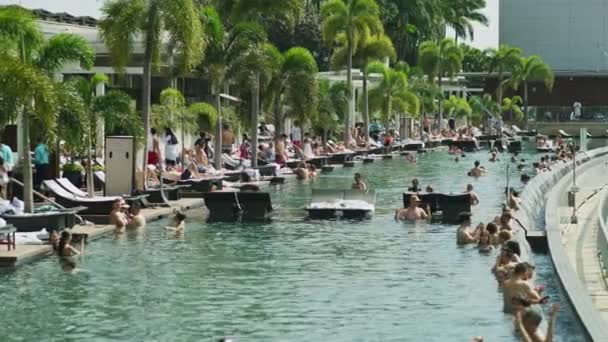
[(296, 133), (171, 151)]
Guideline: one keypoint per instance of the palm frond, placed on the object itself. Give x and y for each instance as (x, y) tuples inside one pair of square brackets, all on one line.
[(122, 22)]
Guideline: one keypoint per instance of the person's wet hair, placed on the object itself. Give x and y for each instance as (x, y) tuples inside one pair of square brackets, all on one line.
[(505, 235), (514, 246), (520, 268), (179, 217), (477, 163), (491, 228)]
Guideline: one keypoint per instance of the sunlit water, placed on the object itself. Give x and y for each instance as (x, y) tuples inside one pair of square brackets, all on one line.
[(289, 280)]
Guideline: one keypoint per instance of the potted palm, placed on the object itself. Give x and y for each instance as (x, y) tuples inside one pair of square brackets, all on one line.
[(73, 172)]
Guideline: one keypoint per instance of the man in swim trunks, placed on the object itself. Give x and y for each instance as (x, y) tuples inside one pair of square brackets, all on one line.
[(474, 197), (413, 212), (517, 286), (477, 170), (464, 235)]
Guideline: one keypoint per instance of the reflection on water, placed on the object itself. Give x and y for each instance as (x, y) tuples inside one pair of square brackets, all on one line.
[(288, 280)]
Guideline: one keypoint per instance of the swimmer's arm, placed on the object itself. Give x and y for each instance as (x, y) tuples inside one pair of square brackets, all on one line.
[(533, 296), (397, 216), (426, 213), (74, 250)]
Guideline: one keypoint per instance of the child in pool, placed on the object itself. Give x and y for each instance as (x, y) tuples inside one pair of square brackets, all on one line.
[(180, 223)]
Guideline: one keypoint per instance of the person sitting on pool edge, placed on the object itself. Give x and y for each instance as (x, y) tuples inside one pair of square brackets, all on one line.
[(415, 186), (117, 215), (463, 234), (180, 223), (477, 170), (359, 183), (413, 212)]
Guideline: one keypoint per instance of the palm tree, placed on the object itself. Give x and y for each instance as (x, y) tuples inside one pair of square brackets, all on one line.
[(28, 64), (458, 107), (505, 59), (294, 87), (123, 20), (439, 60), (531, 69), (327, 116), (351, 19), (376, 47), (393, 94), (460, 15), (253, 69), (483, 107), (512, 106)]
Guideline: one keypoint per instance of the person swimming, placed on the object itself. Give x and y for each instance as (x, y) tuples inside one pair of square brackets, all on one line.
[(477, 170), (65, 249), (180, 223), (430, 189), (359, 183), (415, 186), (413, 212)]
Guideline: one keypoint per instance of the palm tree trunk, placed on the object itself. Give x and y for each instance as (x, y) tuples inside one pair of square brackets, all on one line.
[(254, 129), (499, 90), (365, 109), (526, 104), (152, 36), (89, 170), (349, 82), (28, 180), (218, 130), (440, 103)]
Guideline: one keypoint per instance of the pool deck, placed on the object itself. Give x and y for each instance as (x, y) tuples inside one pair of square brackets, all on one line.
[(580, 240), (28, 253)]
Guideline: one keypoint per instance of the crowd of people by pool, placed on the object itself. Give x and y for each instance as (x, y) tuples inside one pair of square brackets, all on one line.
[(496, 238)]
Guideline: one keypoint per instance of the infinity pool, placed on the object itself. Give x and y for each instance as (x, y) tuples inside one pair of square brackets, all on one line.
[(289, 280)]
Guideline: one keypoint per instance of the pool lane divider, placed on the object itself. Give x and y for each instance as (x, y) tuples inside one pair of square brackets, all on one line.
[(24, 254)]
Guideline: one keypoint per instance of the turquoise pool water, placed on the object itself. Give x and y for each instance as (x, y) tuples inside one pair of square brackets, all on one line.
[(288, 280)]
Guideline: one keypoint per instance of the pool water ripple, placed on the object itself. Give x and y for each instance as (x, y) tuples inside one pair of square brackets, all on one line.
[(288, 280)]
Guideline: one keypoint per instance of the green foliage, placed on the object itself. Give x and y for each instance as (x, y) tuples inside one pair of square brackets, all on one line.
[(121, 118), (461, 14), (505, 59), (73, 122), (204, 114), (124, 20), (483, 106), (438, 60), (458, 107), (72, 167), (474, 60), (532, 69), (393, 94), (512, 107)]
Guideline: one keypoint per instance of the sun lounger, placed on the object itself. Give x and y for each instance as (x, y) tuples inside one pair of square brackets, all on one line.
[(255, 206), (223, 206), (66, 184), (346, 204), (94, 206), (340, 158)]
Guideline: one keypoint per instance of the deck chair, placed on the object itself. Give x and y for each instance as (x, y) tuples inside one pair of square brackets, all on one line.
[(223, 206), (66, 184), (95, 205), (255, 206)]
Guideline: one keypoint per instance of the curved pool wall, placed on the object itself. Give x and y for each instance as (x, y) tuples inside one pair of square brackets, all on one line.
[(550, 188)]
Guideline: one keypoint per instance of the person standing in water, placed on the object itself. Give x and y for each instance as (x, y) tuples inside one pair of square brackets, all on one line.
[(464, 235), (180, 223), (117, 217), (137, 219), (415, 186), (413, 212), (359, 183), (529, 319), (472, 194), (477, 170), (518, 286)]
